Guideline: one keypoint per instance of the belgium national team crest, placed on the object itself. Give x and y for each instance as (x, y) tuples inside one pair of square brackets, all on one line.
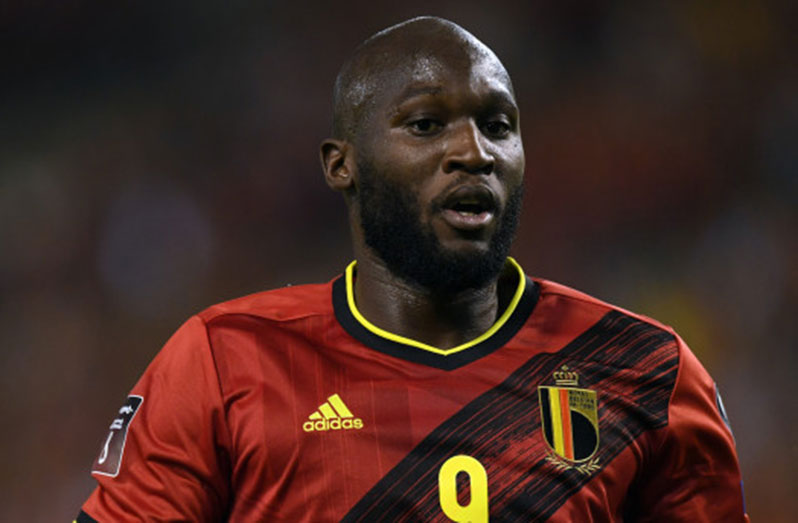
[(569, 417)]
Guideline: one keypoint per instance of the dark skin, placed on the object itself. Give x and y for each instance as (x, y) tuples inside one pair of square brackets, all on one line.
[(444, 124)]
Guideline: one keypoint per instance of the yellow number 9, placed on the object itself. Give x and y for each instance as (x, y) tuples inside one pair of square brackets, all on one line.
[(477, 509)]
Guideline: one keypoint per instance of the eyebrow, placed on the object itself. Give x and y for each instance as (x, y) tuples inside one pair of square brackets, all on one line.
[(413, 91), (497, 97), (503, 98)]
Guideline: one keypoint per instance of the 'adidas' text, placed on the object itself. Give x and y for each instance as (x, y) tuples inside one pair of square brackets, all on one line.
[(332, 415), (332, 424)]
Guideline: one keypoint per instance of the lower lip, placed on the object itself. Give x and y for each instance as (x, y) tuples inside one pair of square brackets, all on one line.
[(467, 222)]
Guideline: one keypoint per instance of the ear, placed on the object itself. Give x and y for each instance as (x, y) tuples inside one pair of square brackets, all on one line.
[(337, 162)]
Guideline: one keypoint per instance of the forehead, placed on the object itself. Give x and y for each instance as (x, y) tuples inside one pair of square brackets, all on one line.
[(445, 71)]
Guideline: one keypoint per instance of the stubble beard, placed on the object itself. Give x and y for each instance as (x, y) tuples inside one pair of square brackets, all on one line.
[(390, 217)]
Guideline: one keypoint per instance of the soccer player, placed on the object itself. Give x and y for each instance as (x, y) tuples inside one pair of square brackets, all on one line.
[(433, 380)]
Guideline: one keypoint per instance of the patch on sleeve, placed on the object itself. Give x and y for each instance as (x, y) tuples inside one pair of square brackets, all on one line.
[(722, 410), (110, 458)]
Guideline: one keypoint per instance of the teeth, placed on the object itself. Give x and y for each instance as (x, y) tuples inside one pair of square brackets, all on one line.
[(466, 213)]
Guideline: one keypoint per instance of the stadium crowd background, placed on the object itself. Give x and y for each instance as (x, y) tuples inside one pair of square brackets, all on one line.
[(159, 157)]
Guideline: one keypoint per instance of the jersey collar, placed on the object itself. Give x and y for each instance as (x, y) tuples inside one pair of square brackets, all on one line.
[(508, 324)]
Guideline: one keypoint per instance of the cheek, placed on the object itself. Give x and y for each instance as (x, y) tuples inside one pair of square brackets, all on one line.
[(514, 163), (413, 156), (411, 172), (426, 193), (515, 153)]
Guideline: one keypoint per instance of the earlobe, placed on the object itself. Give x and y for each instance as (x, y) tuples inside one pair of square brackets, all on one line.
[(337, 162)]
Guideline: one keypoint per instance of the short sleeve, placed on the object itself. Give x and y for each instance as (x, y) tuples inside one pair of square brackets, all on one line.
[(693, 472), (166, 454)]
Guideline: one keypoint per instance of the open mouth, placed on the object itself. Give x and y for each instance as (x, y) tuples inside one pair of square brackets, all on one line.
[(469, 207)]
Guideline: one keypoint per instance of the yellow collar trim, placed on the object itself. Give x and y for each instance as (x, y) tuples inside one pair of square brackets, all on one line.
[(350, 298)]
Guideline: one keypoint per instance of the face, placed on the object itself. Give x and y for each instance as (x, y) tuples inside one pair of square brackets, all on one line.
[(440, 171)]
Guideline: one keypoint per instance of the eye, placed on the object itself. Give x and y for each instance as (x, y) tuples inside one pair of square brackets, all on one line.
[(424, 126), (496, 128)]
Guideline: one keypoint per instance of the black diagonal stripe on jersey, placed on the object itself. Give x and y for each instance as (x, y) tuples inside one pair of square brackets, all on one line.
[(545, 411), (635, 359)]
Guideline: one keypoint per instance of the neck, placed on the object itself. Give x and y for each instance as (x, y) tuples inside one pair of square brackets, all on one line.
[(441, 320)]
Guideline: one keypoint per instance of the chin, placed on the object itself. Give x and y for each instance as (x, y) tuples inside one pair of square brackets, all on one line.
[(464, 248), (473, 240)]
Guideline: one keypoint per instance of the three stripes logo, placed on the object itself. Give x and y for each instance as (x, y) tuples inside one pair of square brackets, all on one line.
[(333, 414)]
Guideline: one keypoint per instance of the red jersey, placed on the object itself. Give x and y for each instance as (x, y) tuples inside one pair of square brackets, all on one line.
[(288, 405)]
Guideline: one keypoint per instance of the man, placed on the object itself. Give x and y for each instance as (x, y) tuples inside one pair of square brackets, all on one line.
[(434, 380)]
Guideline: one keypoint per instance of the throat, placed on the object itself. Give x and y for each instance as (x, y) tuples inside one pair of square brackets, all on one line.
[(450, 321), (440, 320)]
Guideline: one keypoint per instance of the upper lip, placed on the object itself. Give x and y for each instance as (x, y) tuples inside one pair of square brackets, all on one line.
[(474, 197)]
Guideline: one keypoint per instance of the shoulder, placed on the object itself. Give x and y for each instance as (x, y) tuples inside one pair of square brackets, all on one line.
[(607, 335), (197, 346), (661, 348), (567, 297), (654, 388), (284, 304)]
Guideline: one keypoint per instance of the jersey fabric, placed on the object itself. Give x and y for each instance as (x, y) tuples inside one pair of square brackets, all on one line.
[(288, 405)]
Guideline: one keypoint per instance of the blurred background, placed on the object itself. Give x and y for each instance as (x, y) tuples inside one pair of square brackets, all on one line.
[(158, 157)]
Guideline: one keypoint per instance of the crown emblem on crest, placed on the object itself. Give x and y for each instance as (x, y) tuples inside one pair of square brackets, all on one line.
[(565, 377)]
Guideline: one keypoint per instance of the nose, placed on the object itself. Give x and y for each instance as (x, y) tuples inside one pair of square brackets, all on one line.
[(466, 151)]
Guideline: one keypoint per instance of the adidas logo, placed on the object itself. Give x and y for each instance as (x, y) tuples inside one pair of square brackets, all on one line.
[(333, 414)]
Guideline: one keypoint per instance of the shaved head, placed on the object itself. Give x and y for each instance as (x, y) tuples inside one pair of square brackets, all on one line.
[(408, 48)]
